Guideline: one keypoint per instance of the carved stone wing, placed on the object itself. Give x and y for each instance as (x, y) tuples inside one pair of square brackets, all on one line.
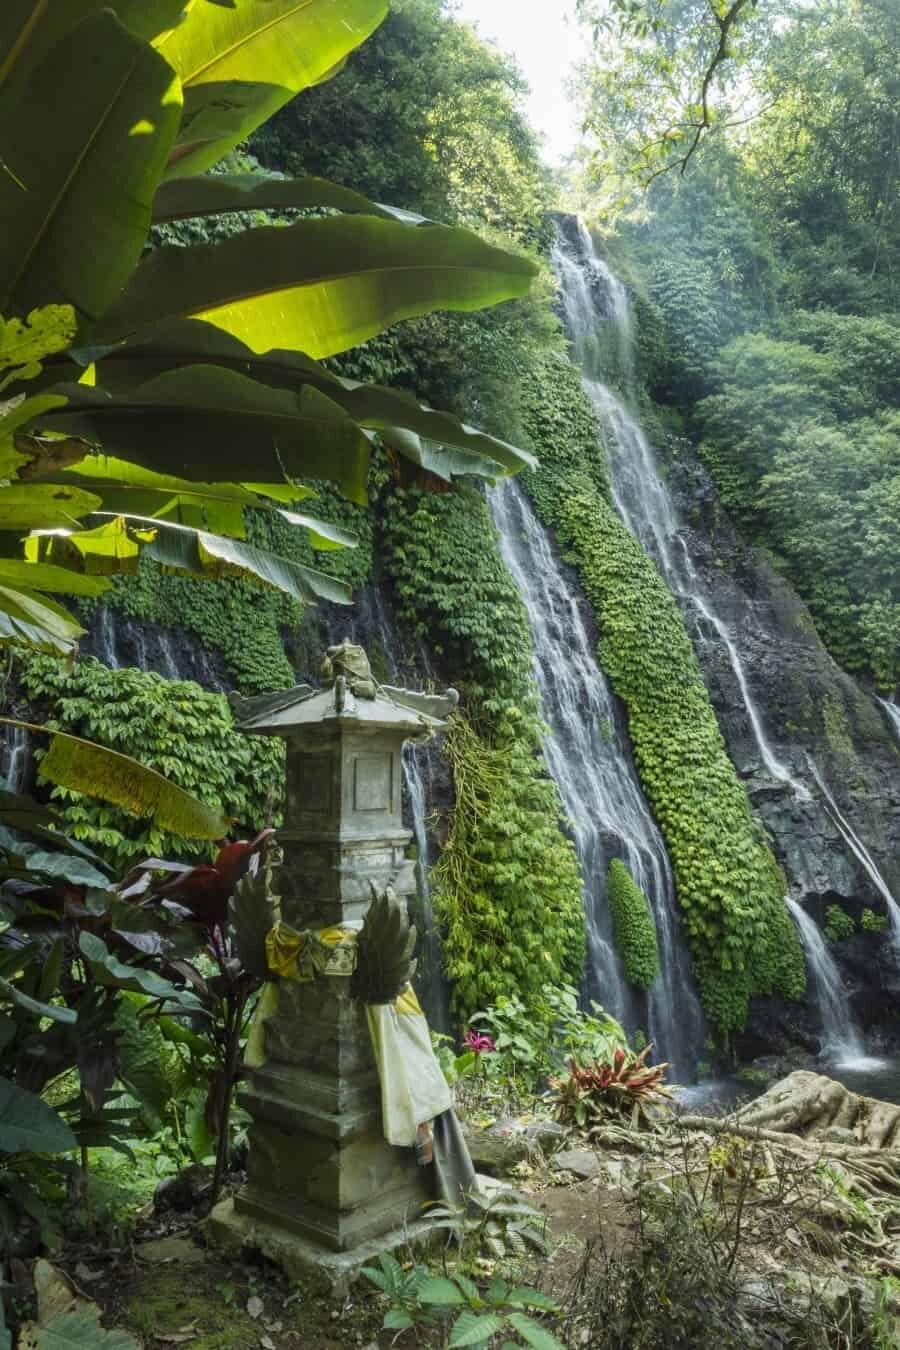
[(384, 951)]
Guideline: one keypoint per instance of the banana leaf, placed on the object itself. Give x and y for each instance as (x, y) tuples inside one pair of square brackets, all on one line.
[(29, 28), (73, 228), (26, 506), (212, 194), (203, 421), (37, 621), (128, 489), (239, 65), (318, 286), (171, 346), (83, 766)]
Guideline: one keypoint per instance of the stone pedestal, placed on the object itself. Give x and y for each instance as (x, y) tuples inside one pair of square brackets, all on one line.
[(324, 1190)]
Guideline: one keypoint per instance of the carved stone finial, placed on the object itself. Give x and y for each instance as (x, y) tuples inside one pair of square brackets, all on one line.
[(349, 660)]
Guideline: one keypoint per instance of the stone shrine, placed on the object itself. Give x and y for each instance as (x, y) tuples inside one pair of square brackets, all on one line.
[(324, 1189)]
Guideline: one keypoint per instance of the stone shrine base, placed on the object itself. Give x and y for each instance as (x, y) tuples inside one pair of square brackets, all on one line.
[(304, 1260)]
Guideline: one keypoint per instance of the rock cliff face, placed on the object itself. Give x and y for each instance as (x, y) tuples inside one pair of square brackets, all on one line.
[(818, 720), (816, 717)]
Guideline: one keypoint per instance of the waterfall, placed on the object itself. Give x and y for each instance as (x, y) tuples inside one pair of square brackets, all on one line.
[(862, 855), (639, 492), (119, 640), (588, 757), (14, 758), (893, 715), (646, 506), (842, 1041)]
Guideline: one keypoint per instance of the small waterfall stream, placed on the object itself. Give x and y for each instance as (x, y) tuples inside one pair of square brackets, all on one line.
[(588, 758), (842, 1040), (861, 853), (14, 751), (893, 714)]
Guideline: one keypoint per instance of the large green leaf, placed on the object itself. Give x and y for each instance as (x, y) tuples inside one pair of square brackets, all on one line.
[(37, 621), (83, 766), (29, 28), (77, 871), (29, 1125), (203, 420), (85, 141), (55, 1012), (212, 194), (239, 65), (110, 549), (59, 580), (109, 970), (81, 1330), (213, 556), (129, 489), (319, 286), (25, 342), (26, 506), (171, 346)]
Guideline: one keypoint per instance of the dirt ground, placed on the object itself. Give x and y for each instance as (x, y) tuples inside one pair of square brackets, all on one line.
[(168, 1288)]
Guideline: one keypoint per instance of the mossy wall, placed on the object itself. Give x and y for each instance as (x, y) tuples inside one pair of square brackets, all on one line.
[(634, 931), (507, 886), (172, 726), (729, 886)]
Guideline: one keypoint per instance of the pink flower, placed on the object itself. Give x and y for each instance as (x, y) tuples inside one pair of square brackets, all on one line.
[(479, 1043)]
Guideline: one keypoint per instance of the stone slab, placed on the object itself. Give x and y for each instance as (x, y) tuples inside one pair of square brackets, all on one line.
[(302, 1260), (579, 1161)]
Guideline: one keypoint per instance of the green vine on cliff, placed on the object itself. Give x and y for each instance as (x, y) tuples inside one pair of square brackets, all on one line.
[(634, 931), (730, 888), (172, 726), (507, 886)]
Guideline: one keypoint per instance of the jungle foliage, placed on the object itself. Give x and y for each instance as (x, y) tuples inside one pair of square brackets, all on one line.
[(766, 279), (176, 728), (507, 885), (184, 366)]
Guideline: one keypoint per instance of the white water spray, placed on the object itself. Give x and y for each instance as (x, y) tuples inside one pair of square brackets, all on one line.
[(842, 1041), (587, 755)]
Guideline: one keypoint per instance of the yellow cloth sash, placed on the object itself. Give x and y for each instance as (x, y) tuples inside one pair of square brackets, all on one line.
[(324, 951)]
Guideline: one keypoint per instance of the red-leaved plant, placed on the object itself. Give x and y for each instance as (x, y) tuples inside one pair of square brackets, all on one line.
[(625, 1086)]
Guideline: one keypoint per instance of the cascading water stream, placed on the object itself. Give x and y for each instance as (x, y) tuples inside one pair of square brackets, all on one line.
[(638, 489), (588, 758), (862, 855), (893, 715), (593, 299), (14, 752), (842, 1041)]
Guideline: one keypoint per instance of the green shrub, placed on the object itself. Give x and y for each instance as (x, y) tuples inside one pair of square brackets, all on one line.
[(870, 922), (633, 927), (172, 726), (838, 923)]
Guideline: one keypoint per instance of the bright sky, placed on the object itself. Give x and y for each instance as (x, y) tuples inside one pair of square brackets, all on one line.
[(545, 41)]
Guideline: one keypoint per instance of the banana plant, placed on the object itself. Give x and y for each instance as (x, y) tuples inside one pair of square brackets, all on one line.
[(141, 392), (201, 364)]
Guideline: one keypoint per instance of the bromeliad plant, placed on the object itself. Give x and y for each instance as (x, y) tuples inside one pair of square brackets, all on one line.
[(591, 1095)]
